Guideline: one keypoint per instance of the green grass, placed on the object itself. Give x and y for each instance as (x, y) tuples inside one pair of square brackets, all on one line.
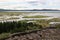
[(32, 26), (4, 35), (38, 16), (23, 25), (54, 20), (12, 18), (11, 13)]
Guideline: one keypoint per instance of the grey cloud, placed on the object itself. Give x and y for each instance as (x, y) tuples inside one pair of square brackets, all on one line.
[(36, 3)]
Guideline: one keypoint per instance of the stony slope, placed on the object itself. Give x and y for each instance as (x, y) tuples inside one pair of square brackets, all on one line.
[(44, 34)]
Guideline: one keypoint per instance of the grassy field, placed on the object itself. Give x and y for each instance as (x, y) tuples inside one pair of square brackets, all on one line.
[(24, 26), (37, 16), (12, 27), (39, 24), (11, 13), (55, 20), (14, 13)]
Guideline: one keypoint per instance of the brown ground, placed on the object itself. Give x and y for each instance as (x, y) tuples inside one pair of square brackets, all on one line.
[(44, 34)]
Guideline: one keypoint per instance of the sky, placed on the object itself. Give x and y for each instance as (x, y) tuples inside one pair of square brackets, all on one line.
[(29, 4)]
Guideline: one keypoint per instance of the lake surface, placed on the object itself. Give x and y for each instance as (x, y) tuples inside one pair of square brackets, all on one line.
[(46, 13), (54, 14), (51, 14)]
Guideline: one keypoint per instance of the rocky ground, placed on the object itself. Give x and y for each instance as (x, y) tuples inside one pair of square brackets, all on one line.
[(44, 34)]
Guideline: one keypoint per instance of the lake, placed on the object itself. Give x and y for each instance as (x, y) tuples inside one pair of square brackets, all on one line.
[(46, 13), (51, 14)]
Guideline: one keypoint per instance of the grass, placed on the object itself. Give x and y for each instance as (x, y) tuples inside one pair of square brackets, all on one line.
[(11, 13), (4, 35), (12, 18), (54, 20), (36, 25), (44, 23), (14, 13), (38, 16)]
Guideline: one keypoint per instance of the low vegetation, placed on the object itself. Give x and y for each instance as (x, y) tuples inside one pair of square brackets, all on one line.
[(17, 26), (57, 26), (6, 28), (38, 16), (55, 20), (13, 27), (14, 13), (4, 35), (12, 18), (11, 13)]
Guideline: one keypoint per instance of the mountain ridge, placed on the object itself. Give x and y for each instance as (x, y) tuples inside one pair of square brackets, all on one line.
[(30, 10)]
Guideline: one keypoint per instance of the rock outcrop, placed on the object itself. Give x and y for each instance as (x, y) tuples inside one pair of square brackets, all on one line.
[(44, 34)]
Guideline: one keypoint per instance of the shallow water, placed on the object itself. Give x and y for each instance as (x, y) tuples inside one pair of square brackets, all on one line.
[(57, 14), (51, 14), (46, 13)]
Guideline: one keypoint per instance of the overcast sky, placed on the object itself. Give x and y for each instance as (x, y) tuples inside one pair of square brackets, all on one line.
[(29, 4)]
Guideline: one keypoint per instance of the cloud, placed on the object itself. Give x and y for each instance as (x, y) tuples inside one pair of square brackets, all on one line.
[(30, 4)]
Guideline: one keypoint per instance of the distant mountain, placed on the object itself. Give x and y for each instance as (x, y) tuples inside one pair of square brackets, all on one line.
[(41, 10), (30, 10)]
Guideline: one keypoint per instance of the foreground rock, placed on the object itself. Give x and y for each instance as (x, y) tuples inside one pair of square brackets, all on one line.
[(44, 34)]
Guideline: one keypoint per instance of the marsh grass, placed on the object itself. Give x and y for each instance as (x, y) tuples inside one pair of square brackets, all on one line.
[(38, 16), (55, 20)]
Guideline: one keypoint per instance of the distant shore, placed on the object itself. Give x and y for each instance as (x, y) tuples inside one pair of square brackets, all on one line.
[(31, 11)]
